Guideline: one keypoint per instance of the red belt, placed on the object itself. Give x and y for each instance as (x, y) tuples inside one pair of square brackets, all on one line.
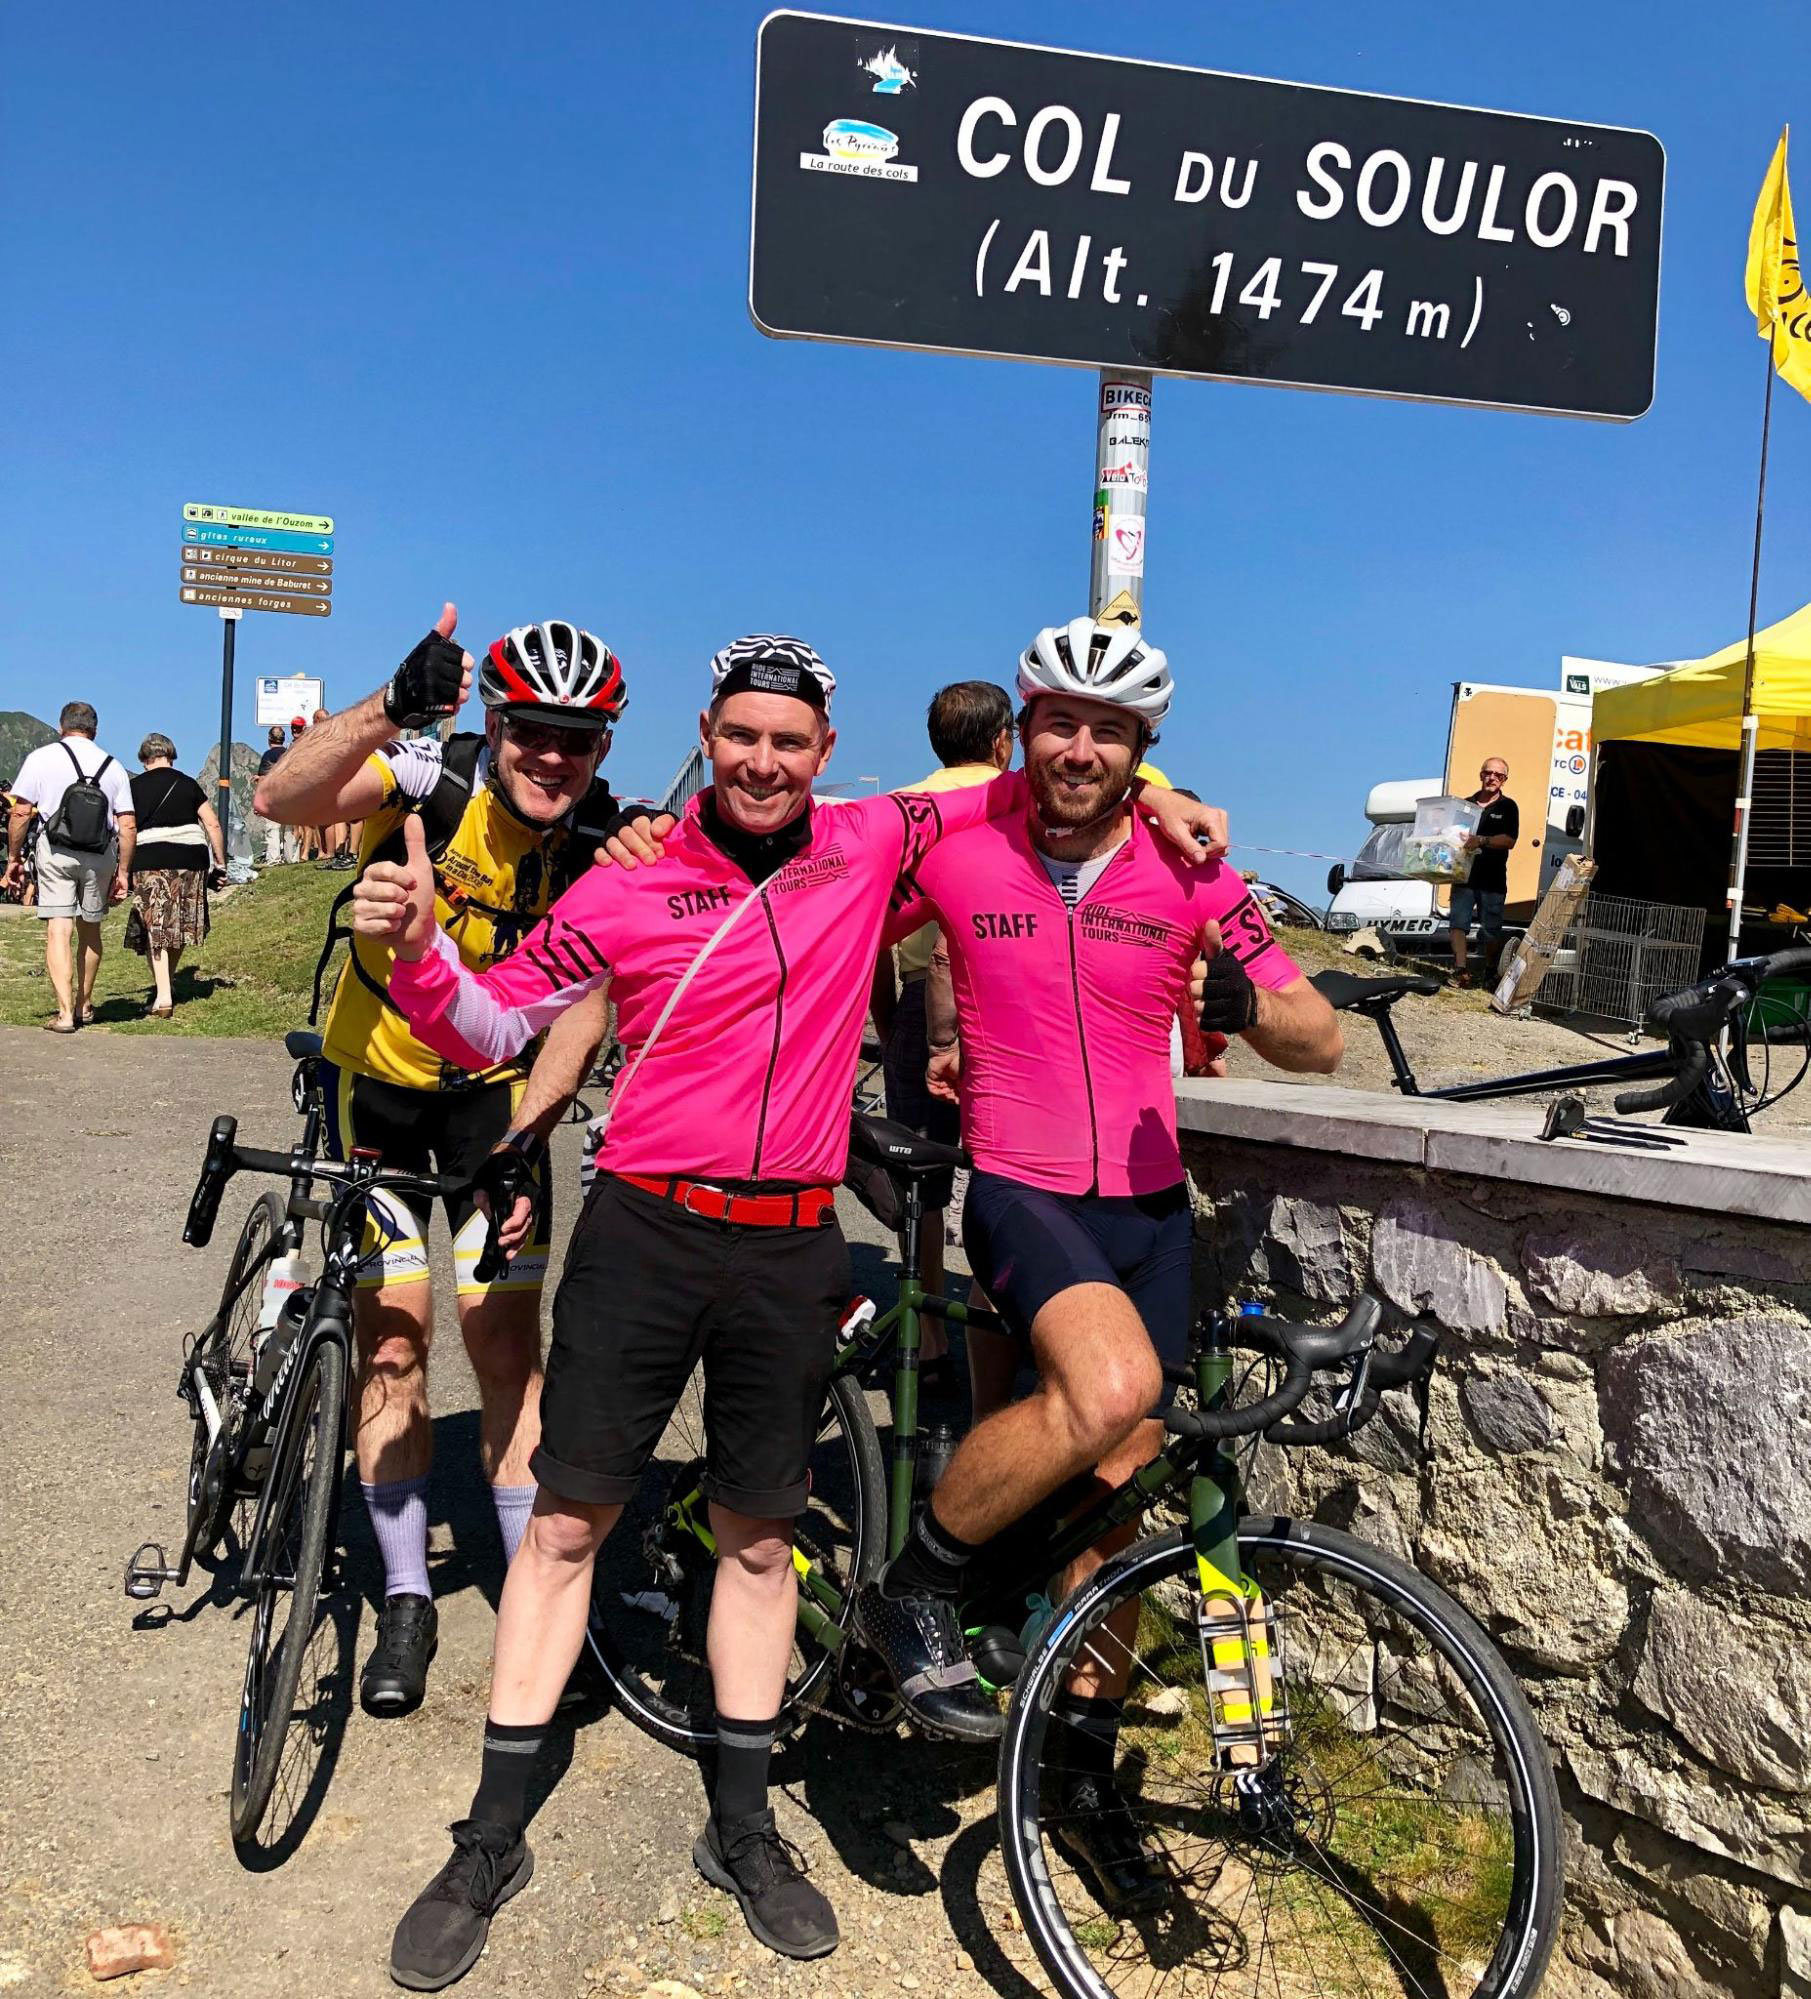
[(809, 1208)]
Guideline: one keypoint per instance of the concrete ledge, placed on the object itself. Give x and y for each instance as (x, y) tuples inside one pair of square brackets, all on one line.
[(1724, 1173)]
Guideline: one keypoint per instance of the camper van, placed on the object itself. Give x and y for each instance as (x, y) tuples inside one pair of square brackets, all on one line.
[(1546, 741)]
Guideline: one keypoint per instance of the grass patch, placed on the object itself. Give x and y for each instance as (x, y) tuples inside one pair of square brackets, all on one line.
[(704, 1922), (252, 975)]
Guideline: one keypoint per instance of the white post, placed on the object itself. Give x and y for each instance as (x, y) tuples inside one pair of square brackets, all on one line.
[(1121, 491)]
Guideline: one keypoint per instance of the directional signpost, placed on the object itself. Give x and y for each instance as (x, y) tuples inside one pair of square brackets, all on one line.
[(239, 559), (941, 192)]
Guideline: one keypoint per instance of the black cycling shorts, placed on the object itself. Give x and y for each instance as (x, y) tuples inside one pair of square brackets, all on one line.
[(1025, 1244), (430, 1131), (648, 1292)]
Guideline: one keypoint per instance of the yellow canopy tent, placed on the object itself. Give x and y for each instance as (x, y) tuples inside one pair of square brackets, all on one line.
[(1700, 706)]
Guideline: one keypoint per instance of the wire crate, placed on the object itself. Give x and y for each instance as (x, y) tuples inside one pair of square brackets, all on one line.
[(1619, 955)]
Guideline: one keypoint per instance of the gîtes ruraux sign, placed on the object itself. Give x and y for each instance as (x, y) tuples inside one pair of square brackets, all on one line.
[(935, 191)]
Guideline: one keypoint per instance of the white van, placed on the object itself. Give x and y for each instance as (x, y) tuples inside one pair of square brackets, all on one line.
[(1546, 741), (1370, 891)]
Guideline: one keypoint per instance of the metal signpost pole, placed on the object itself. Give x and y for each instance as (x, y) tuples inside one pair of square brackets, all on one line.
[(1121, 494), (229, 620)]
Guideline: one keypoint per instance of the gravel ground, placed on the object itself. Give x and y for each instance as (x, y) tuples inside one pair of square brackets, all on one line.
[(118, 1726)]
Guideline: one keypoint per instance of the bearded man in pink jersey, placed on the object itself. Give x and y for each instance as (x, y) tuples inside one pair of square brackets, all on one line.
[(740, 971), (1071, 938)]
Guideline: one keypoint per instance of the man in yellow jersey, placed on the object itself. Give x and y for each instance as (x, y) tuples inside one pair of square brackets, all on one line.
[(511, 816)]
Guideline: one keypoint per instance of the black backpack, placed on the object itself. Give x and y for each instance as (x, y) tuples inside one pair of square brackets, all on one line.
[(84, 819), (587, 825)]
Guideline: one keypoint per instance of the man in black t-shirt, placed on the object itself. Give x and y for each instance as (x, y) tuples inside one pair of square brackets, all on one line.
[(1481, 897)]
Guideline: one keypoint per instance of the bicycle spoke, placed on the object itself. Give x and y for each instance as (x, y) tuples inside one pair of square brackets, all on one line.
[(1337, 1862)]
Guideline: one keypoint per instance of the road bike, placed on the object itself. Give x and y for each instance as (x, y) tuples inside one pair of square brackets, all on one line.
[(1713, 1030), (1345, 1785), (267, 1398)]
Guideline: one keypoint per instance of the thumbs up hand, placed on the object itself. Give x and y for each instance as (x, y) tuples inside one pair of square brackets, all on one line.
[(434, 680), (397, 902)]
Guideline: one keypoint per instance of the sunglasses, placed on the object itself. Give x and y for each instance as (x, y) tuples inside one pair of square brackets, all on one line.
[(535, 737)]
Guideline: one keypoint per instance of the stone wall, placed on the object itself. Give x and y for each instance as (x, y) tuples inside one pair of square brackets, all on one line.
[(1619, 1489)]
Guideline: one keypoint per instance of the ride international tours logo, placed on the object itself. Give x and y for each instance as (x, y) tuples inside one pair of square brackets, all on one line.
[(855, 146)]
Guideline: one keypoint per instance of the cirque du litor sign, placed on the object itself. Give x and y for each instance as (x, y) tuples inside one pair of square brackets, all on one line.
[(941, 192)]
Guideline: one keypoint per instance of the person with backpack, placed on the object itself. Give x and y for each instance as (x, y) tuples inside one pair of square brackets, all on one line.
[(84, 853), (511, 816)]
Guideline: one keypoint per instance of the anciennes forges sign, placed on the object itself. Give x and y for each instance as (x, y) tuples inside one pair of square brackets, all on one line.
[(934, 191)]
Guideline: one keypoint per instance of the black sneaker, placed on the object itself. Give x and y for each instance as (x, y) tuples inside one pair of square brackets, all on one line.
[(441, 1936), (920, 1644), (766, 1873), (396, 1674), (1095, 1831)]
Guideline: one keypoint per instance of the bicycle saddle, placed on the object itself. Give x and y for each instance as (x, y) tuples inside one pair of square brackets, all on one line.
[(301, 1044), (881, 1142), (1342, 990)]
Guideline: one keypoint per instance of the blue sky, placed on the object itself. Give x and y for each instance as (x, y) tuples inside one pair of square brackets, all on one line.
[(472, 280)]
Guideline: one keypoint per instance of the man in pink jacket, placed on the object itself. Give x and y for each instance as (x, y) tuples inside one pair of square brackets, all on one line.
[(1071, 935), (739, 968)]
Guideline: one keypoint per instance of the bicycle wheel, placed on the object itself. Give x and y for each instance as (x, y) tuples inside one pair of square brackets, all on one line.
[(651, 1592), (1403, 1839), (305, 1468), (222, 1357)]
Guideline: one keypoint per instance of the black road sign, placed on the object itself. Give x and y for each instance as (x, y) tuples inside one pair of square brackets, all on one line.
[(936, 191)]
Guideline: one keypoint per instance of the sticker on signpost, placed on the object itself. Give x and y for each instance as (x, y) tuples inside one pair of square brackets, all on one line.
[(1124, 396), (890, 75), (853, 146), (1125, 544)]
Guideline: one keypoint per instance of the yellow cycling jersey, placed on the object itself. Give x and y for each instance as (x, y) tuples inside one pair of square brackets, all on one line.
[(494, 880)]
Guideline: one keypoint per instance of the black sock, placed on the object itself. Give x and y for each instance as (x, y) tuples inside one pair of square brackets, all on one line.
[(509, 1753), (1085, 1731), (744, 1749), (932, 1561)]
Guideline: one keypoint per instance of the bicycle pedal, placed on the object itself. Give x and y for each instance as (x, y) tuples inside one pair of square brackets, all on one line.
[(145, 1579)]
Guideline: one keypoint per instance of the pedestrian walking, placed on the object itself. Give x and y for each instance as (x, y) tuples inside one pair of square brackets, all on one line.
[(86, 831), (179, 838)]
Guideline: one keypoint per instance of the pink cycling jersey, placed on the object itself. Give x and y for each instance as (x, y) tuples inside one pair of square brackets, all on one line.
[(1065, 1015), (752, 1073)]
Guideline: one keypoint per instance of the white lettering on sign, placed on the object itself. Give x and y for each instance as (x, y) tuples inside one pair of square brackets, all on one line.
[(1033, 266), (971, 162), (1373, 168), (1195, 180), (1546, 214), (1102, 181), (1048, 164), (1051, 115), (1382, 187)]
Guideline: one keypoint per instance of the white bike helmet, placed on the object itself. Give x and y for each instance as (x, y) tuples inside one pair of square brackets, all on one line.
[(770, 663), (1099, 663), (554, 667)]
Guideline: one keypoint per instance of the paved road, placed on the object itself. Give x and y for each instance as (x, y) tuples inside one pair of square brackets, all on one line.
[(117, 1727)]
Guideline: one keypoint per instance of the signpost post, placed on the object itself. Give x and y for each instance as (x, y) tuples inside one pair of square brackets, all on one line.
[(945, 193), (239, 559)]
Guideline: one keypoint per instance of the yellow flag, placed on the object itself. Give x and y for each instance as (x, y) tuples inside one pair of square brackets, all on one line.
[(1776, 286)]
